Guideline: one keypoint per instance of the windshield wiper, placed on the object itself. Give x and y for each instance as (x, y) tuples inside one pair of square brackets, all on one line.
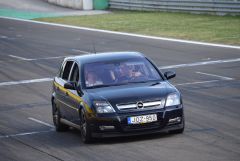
[(99, 86), (126, 83), (137, 82), (105, 85), (156, 83)]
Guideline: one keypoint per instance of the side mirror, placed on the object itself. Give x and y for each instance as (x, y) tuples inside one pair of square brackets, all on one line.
[(70, 85), (169, 74)]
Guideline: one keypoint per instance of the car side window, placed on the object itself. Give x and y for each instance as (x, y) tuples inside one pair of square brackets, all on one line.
[(75, 73), (66, 70)]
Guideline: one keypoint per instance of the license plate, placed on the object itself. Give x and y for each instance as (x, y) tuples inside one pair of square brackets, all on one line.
[(142, 119)]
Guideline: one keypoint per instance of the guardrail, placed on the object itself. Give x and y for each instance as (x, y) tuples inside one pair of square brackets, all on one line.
[(75, 4), (219, 7)]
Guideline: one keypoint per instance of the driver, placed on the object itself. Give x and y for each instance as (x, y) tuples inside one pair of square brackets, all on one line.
[(127, 74), (92, 79)]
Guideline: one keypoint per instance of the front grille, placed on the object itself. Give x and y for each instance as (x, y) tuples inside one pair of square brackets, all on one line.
[(156, 104)]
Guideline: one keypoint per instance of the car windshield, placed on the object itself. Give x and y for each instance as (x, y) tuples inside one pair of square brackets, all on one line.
[(119, 72)]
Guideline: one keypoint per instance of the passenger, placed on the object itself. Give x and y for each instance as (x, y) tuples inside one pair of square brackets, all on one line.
[(92, 79)]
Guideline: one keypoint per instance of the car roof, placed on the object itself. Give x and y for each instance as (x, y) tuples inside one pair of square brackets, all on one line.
[(106, 56)]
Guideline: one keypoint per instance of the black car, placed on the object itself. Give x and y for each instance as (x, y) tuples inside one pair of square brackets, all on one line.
[(115, 94)]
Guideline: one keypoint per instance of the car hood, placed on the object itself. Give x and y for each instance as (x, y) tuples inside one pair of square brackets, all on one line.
[(132, 93)]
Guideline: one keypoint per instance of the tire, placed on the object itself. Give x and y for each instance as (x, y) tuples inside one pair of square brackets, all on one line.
[(60, 127), (85, 128)]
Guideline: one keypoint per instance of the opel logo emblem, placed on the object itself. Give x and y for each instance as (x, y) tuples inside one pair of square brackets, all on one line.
[(139, 105)]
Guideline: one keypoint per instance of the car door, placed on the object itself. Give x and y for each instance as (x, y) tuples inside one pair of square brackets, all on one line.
[(74, 99), (61, 92)]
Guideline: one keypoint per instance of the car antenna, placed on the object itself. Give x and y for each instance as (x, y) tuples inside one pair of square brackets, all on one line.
[(94, 49)]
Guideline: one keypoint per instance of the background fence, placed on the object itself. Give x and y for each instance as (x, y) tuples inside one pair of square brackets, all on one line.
[(220, 7)]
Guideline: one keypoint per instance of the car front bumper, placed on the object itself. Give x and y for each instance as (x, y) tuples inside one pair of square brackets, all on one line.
[(113, 126)]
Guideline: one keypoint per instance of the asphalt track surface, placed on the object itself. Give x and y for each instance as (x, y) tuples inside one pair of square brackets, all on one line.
[(30, 51)]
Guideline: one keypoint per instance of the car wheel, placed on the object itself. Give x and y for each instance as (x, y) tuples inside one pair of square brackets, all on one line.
[(84, 127), (56, 119)]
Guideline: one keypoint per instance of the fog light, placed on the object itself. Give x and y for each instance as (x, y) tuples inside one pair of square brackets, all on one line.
[(102, 128), (174, 120)]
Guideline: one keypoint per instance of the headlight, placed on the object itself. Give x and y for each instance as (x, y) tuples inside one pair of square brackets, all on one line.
[(103, 107), (173, 99)]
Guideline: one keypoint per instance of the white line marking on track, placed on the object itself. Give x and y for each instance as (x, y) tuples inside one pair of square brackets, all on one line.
[(50, 79), (27, 133), (199, 82), (26, 81), (20, 58), (200, 63), (126, 34), (48, 58), (206, 59), (161, 67), (41, 122), (214, 75), (81, 51), (3, 37)]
